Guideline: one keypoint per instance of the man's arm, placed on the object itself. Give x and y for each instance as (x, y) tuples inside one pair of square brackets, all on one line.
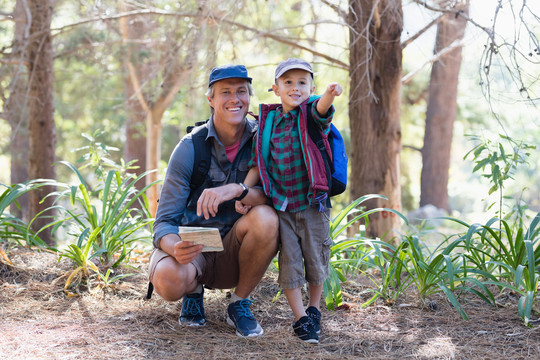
[(175, 191), (211, 198)]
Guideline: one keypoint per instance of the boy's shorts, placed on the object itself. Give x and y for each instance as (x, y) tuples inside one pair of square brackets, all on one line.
[(214, 269), (304, 236)]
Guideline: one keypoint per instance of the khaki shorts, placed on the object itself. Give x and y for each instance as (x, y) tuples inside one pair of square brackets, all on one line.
[(214, 269), (304, 236)]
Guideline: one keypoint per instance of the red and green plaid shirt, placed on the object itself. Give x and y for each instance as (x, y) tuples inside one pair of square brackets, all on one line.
[(286, 168)]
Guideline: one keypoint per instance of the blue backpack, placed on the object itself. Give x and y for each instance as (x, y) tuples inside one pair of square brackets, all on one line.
[(337, 166)]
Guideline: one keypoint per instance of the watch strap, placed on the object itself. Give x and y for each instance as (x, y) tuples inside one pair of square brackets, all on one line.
[(244, 192)]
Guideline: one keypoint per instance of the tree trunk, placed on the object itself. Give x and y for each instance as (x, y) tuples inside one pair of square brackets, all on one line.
[(374, 108), (135, 147), (441, 111), (17, 111), (41, 108)]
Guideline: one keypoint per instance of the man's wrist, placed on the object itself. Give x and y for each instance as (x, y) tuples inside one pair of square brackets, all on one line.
[(245, 191)]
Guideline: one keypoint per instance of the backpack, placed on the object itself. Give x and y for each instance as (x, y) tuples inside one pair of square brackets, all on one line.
[(336, 162)]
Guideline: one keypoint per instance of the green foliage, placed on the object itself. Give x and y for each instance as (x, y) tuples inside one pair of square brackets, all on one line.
[(347, 254), (106, 214), (385, 268), (497, 162), (13, 228), (103, 219), (511, 254)]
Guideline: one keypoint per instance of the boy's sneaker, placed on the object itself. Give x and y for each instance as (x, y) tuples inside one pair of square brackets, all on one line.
[(242, 319), (193, 310), (305, 330), (315, 316)]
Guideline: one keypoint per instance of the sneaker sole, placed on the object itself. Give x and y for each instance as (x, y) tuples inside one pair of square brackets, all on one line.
[(252, 335), (191, 324)]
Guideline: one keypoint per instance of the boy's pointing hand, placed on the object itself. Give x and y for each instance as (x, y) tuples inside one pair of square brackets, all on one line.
[(334, 89)]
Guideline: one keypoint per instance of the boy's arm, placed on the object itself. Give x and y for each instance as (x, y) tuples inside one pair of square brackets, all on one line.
[(326, 100), (252, 177)]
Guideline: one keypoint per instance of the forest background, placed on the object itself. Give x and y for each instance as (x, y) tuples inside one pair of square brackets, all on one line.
[(440, 107), (114, 63)]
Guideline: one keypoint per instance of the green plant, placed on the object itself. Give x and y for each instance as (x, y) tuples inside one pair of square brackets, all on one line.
[(501, 162), (390, 276), (106, 280), (107, 219), (512, 252), (107, 212), (13, 228), (345, 253)]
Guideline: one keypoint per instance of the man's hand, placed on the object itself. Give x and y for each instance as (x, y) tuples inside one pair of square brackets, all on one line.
[(186, 251), (210, 199)]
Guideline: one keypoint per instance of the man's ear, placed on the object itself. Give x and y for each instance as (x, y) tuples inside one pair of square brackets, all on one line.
[(276, 89), (210, 101)]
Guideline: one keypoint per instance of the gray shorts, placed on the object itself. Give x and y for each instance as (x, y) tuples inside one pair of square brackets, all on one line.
[(304, 236), (214, 269)]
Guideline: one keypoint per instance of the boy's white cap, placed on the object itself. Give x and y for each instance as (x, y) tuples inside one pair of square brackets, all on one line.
[(292, 63)]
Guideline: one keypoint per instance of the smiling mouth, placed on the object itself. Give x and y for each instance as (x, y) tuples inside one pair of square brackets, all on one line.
[(234, 109)]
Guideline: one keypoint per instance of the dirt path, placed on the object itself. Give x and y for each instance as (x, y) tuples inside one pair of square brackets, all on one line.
[(38, 321)]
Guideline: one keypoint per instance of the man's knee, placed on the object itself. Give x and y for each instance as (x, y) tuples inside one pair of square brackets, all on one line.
[(262, 221), (171, 280)]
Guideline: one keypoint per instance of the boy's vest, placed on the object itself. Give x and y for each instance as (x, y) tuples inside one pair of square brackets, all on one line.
[(319, 172)]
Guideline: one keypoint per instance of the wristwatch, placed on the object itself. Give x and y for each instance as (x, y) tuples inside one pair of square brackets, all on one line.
[(244, 192)]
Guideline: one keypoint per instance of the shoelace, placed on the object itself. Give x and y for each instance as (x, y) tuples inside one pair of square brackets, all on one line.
[(192, 307), (304, 326), (243, 309), (315, 316)]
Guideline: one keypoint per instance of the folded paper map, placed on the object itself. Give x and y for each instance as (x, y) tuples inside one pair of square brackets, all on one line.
[(209, 237)]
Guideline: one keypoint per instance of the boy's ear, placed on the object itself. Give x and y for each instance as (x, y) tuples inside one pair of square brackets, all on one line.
[(312, 89), (275, 88)]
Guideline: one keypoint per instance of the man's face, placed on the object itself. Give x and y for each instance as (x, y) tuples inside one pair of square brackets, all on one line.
[(294, 87), (230, 101)]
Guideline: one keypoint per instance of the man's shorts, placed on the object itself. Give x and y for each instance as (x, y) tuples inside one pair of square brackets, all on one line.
[(304, 236), (214, 269)]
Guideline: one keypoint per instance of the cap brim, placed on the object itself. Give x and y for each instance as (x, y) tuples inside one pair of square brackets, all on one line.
[(230, 77), (292, 67)]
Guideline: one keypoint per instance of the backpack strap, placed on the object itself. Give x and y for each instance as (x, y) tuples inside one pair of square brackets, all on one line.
[(202, 152), (316, 135)]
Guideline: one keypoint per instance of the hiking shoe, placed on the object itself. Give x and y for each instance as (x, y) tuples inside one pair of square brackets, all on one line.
[(193, 310), (242, 319), (315, 316), (305, 330)]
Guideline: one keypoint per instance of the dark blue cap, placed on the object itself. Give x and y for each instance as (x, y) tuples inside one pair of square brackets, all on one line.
[(228, 72)]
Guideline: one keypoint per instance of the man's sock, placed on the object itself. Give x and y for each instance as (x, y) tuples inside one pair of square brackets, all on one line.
[(198, 289), (235, 298)]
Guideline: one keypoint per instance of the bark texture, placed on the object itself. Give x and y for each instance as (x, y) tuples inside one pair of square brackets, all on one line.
[(374, 108), (442, 111), (42, 133)]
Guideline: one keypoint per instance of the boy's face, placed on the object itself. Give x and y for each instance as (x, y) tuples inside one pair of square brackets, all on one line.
[(294, 87), (230, 101)]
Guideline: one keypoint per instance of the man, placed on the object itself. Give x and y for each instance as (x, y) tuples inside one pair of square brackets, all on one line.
[(179, 269)]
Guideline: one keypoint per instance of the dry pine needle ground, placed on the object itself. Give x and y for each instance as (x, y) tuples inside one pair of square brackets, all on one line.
[(38, 321)]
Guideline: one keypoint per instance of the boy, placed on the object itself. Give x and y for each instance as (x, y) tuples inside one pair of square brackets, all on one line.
[(299, 196)]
